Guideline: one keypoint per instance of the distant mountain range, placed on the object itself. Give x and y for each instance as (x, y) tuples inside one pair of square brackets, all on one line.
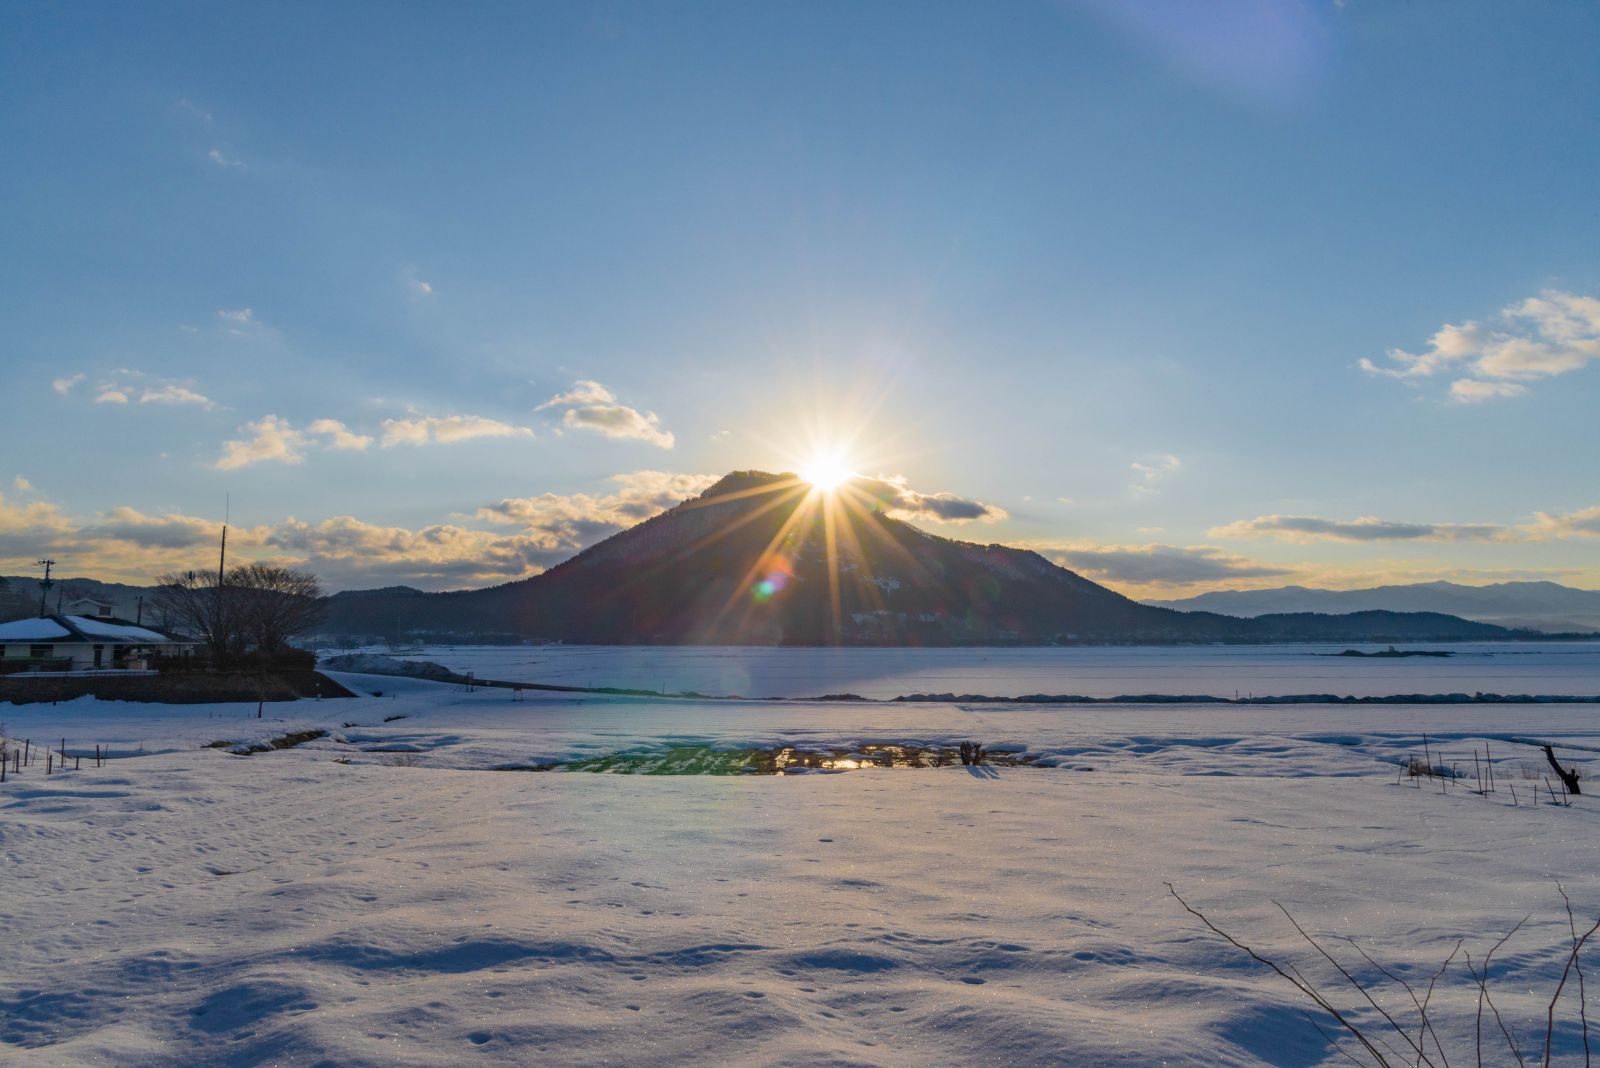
[(748, 563), (1546, 606)]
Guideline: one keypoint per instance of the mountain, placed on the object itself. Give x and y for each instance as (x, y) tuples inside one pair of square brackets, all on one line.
[(748, 562), (19, 595), (1533, 605)]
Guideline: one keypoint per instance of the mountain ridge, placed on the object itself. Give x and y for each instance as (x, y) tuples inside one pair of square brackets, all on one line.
[(747, 562), (1538, 604)]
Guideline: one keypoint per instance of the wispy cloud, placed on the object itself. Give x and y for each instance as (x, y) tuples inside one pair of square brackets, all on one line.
[(216, 156), (241, 322), (1150, 474), (273, 439), (1305, 528), (447, 429), (1160, 565), (125, 386), (1552, 334), (1584, 523), (591, 406), (573, 521), (194, 109), (174, 394)]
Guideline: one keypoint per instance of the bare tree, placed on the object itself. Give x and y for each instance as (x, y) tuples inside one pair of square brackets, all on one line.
[(196, 604), (258, 607), (276, 603)]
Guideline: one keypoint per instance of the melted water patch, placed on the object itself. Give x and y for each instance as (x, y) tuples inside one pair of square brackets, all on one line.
[(778, 760)]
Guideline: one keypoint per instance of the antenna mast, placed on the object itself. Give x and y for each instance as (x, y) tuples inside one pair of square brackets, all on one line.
[(222, 558)]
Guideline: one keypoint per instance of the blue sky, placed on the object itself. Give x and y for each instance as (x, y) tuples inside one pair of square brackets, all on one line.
[(439, 295)]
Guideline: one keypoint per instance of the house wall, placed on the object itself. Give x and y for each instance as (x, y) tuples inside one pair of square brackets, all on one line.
[(80, 653)]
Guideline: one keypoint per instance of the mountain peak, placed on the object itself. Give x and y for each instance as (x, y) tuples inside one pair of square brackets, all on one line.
[(742, 481)]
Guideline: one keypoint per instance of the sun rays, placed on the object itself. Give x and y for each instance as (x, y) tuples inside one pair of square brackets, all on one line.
[(832, 522)]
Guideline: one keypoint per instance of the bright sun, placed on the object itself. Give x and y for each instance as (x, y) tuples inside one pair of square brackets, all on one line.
[(826, 472)]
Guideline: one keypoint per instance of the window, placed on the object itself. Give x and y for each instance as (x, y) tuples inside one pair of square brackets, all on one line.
[(41, 652)]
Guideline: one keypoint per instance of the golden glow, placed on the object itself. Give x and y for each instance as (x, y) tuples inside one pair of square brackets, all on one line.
[(826, 472)]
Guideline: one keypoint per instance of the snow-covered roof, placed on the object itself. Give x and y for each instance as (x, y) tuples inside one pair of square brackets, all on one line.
[(32, 630), (99, 628), (72, 629)]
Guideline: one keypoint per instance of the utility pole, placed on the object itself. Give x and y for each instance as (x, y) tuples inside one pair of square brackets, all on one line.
[(44, 585)]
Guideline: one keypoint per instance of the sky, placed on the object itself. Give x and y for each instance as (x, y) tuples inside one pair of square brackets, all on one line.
[(1186, 297)]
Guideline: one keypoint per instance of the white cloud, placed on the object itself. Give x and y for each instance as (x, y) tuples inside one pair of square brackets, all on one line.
[(1552, 334), (337, 435), (1154, 472), (591, 406), (583, 391), (900, 501), (124, 386), (620, 421), (216, 156), (420, 288), (1304, 528), (447, 429), (271, 439), (174, 394)]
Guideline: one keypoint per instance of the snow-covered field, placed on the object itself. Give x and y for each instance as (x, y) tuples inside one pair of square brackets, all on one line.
[(1091, 671), (187, 906)]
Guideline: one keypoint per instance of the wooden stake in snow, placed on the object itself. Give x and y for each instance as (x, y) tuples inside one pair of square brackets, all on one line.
[(1569, 777)]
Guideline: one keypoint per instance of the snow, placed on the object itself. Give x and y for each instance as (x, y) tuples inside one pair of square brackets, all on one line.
[(98, 628), (185, 905), (32, 630)]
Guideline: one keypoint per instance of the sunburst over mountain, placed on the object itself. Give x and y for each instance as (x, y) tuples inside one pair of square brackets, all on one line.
[(772, 559)]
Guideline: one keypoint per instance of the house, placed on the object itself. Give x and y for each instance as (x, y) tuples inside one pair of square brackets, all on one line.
[(83, 643), (88, 606)]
